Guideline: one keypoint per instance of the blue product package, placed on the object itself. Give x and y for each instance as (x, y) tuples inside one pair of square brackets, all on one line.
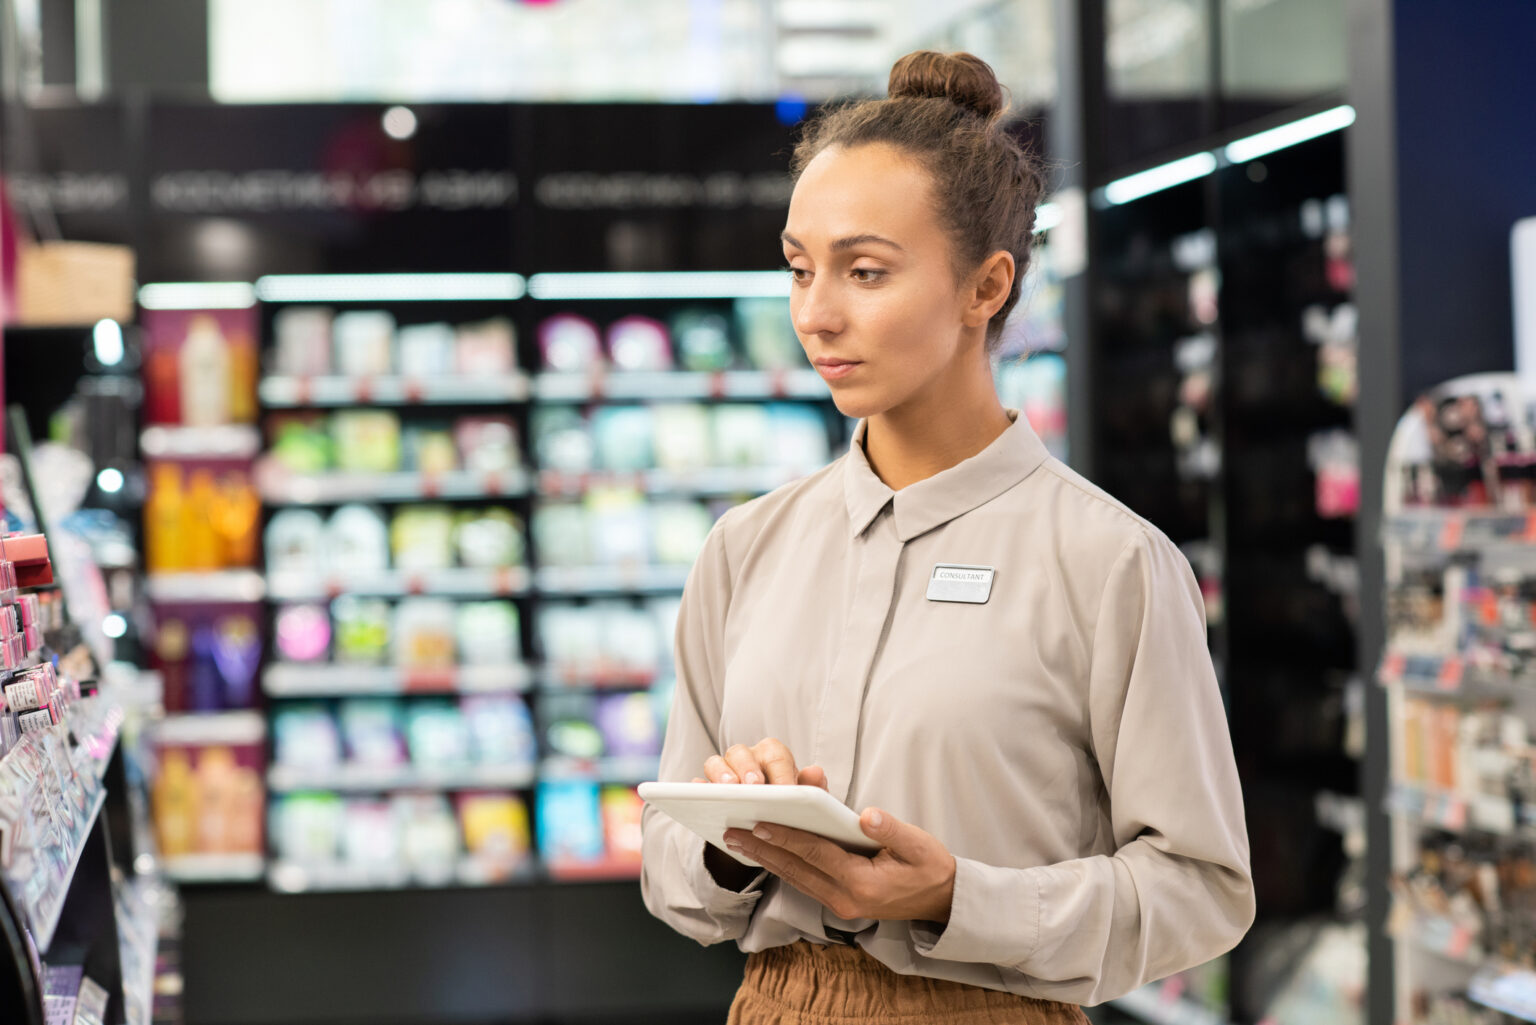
[(570, 821)]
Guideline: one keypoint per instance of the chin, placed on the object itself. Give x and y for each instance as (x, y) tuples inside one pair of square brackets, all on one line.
[(857, 404)]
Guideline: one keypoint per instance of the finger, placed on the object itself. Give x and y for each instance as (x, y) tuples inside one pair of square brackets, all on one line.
[(744, 764), (719, 770), (818, 852), (778, 764), (700, 779), (814, 776)]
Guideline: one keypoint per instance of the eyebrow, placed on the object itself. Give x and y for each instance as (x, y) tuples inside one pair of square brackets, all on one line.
[(848, 242)]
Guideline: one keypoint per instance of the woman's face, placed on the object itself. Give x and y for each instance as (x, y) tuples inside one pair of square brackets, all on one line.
[(874, 297)]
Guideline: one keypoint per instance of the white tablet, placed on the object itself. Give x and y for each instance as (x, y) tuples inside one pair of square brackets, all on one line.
[(709, 809)]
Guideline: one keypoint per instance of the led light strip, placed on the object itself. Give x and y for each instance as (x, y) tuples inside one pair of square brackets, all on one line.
[(661, 285), (198, 295), (342, 288), (1187, 169)]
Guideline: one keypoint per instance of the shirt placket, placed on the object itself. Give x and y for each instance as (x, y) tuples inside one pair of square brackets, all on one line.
[(873, 594)]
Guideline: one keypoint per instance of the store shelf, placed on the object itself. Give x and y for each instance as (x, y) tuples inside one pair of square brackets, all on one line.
[(190, 869), (703, 483), (281, 488), (1451, 675), (556, 680), (449, 583), (230, 441), (369, 778), (388, 288), (1453, 812), (1461, 530), (1509, 990), (47, 921), (314, 392), (232, 728), (292, 680), (641, 285), (628, 771), (229, 585), (1152, 1005), (345, 877), (675, 385), (585, 580)]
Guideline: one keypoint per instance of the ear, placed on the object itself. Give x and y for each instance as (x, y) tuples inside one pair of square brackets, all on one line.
[(991, 284)]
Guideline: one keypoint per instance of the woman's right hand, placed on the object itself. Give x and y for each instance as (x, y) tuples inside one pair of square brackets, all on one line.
[(767, 761)]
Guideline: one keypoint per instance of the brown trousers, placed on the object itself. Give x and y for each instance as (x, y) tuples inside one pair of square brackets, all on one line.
[(807, 984)]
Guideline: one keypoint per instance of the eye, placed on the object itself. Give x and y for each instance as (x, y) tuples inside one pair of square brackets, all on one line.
[(867, 275), (800, 275)]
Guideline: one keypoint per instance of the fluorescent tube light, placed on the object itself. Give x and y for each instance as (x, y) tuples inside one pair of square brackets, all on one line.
[(197, 295), (343, 288), (661, 285), (1255, 146), (1156, 179)]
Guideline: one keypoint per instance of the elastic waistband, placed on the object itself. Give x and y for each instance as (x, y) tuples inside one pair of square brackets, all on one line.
[(835, 982)]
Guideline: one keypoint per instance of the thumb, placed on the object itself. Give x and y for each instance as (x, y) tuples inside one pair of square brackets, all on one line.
[(889, 832)]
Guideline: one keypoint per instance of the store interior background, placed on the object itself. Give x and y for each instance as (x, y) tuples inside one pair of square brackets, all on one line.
[(387, 710)]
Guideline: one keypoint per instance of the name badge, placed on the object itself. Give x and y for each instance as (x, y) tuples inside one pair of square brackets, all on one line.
[(971, 584)]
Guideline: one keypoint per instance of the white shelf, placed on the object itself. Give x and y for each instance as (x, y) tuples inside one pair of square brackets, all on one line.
[(48, 917), (367, 778), (677, 385), (281, 488), (455, 583), (214, 868), (212, 728), (361, 288), (1453, 812), (584, 580), (229, 585), (1151, 1006), (723, 481), (1511, 991), (289, 679), (347, 877), (630, 770), (230, 441), (279, 392), (1450, 530)]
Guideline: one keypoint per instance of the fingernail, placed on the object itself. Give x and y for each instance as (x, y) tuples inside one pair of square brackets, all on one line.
[(726, 777), (761, 832), (751, 778), (734, 845), (876, 819)]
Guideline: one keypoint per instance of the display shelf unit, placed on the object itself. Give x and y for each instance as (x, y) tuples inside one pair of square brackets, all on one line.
[(229, 441), (349, 877), (1460, 698), (192, 588), (526, 394), (200, 869)]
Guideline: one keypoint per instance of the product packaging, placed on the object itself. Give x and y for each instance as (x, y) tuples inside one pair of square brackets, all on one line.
[(570, 343), (365, 343)]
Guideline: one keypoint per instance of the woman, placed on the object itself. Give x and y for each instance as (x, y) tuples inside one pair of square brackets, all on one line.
[(1003, 666)]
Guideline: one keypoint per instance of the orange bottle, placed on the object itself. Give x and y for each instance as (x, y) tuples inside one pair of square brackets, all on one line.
[(164, 511), (201, 539)]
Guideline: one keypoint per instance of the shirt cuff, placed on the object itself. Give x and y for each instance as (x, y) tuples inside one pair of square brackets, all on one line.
[(994, 917), (713, 897)]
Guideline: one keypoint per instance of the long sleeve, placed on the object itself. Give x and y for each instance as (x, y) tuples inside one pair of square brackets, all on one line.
[(676, 885), (1177, 891)]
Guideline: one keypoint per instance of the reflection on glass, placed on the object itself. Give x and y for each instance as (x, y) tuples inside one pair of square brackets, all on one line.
[(1156, 49), (1282, 49)]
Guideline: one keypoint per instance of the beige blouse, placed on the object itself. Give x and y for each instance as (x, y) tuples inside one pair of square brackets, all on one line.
[(1065, 739)]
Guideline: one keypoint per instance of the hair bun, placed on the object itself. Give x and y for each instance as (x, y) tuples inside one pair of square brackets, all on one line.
[(962, 78)]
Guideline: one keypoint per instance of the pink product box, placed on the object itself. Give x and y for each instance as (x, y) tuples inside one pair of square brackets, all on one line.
[(30, 609), (34, 639)]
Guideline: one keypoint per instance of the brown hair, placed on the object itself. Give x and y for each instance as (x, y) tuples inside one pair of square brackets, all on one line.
[(945, 109)]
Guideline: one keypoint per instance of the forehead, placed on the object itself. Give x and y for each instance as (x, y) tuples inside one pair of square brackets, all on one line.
[(875, 189)]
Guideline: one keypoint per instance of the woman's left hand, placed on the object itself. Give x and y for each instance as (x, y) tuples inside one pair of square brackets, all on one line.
[(911, 879)]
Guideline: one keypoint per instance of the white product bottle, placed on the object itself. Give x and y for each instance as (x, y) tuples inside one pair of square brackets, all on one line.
[(204, 375)]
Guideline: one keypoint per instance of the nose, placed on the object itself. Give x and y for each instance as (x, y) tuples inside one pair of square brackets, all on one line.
[(815, 309)]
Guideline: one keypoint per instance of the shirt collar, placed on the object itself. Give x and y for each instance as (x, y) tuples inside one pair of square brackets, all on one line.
[(1012, 456)]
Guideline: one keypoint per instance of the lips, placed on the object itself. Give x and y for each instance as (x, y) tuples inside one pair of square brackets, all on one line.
[(832, 369)]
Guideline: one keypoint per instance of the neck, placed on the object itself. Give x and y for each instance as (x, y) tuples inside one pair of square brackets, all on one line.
[(947, 423)]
